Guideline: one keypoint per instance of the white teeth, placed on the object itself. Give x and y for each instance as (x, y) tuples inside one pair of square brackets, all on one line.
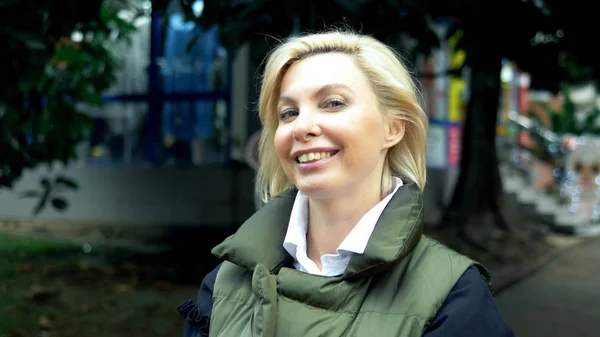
[(306, 157)]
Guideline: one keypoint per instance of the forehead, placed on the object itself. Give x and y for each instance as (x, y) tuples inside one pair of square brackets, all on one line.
[(322, 69)]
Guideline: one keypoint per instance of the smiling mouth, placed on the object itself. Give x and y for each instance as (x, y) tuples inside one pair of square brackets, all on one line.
[(312, 157)]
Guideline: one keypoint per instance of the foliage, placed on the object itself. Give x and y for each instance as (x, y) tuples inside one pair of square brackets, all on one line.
[(264, 22), (46, 72)]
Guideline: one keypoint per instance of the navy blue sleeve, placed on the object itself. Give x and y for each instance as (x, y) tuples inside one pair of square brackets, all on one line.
[(469, 311), (197, 316)]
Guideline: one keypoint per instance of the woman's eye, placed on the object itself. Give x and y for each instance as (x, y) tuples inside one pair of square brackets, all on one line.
[(287, 114), (334, 103)]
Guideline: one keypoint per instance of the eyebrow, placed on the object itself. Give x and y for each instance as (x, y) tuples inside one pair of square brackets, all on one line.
[(321, 91)]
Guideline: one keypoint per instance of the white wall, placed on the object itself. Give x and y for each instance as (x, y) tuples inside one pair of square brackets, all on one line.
[(197, 196)]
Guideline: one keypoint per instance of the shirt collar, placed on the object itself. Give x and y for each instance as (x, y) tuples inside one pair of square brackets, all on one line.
[(398, 231), (295, 238), (357, 239)]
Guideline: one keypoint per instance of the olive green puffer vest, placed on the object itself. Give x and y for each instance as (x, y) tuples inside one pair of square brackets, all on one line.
[(394, 289)]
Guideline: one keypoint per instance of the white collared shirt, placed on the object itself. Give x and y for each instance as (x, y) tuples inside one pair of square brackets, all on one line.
[(355, 243)]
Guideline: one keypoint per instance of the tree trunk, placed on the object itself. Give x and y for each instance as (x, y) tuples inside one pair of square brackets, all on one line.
[(475, 203)]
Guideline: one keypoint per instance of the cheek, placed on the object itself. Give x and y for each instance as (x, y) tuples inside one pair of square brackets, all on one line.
[(369, 134), (281, 142)]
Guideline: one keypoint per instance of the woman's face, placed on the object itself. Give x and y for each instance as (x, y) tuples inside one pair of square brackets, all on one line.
[(331, 138)]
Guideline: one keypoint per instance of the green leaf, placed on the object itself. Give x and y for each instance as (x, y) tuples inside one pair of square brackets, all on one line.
[(126, 27), (45, 182), (63, 181), (41, 203), (88, 95), (60, 204), (67, 53), (32, 41)]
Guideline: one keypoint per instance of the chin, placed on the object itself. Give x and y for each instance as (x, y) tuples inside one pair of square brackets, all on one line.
[(316, 189)]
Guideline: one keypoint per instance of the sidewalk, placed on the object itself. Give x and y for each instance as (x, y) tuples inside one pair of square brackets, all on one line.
[(561, 299)]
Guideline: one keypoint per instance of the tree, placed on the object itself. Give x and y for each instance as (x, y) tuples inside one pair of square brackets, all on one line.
[(492, 31), (46, 72), (538, 36)]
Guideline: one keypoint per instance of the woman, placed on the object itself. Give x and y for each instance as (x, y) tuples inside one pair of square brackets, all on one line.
[(338, 248)]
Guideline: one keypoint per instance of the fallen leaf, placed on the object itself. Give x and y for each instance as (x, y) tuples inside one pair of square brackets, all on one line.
[(129, 266), (82, 265), (21, 332), (109, 271), (44, 322), (25, 268), (123, 288), (37, 292), (162, 285), (14, 310), (48, 268)]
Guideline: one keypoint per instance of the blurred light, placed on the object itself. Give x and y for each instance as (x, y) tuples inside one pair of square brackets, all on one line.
[(542, 38), (126, 15), (525, 80), (142, 21), (506, 74), (77, 36), (87, 248), (198, 7)]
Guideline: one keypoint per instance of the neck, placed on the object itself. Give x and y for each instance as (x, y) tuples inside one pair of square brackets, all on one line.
[(331, 220)]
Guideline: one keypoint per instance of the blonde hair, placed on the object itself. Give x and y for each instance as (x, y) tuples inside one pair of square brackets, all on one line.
[(389, 80)]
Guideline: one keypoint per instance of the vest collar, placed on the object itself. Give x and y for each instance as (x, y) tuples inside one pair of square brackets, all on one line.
[(260, 239)]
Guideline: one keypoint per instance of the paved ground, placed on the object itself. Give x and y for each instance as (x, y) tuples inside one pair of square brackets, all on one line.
[(561, 299)]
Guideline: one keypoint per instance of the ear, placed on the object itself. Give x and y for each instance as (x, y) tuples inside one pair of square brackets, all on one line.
[(395, 133)]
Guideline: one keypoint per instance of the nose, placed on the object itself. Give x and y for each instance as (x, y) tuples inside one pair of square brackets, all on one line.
[(306, 126)]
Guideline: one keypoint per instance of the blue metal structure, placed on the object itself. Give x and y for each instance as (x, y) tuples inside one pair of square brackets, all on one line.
[(156, 96)]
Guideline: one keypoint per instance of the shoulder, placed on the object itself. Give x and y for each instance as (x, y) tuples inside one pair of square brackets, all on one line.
[(441, 265), (469, 310), (424, 278)]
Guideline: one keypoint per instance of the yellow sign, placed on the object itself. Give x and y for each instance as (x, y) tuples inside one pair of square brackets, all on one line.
[(456, 86)]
